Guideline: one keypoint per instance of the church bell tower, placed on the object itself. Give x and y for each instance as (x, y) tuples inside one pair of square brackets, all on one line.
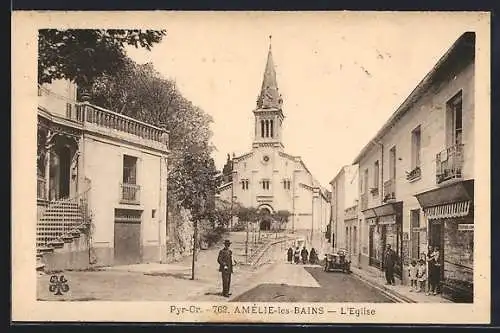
[(268, 113)]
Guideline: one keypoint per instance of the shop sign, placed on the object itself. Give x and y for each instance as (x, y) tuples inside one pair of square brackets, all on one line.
[(466, 227), (372, 221), (388, 219), (419, 229)]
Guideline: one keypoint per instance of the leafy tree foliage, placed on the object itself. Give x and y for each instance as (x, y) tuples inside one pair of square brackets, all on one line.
[(141, 92), (282, 217), (81, 55)]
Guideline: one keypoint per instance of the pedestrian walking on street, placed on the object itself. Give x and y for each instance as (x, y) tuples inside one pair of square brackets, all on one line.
[(421, 275), (412, 274), (305, 255), (313, 257), (225, 260), (390, 258), (290, 255), (296, 255)]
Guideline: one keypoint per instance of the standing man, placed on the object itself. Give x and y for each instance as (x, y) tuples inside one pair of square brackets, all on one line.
[(390, 258), (225, 261)]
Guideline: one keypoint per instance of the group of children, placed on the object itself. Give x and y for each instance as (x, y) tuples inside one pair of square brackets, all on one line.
[(425, 272)]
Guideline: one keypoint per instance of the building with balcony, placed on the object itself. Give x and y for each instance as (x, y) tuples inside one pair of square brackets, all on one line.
[(344, 211), (101, 184), (270, 179), (417, 175)]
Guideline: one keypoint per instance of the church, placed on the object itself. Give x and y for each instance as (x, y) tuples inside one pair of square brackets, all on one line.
[(270, 179)]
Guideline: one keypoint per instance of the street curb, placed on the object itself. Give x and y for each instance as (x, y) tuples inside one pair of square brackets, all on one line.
[(395, 296)]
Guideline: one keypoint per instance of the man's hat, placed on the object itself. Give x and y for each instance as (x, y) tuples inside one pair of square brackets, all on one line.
[(227, 241)]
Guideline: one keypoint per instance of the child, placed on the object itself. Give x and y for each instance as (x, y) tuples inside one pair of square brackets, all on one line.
[(412, 273), (421, 275)]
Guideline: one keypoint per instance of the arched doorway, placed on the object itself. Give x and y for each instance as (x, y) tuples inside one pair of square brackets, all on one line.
[(266, 219)]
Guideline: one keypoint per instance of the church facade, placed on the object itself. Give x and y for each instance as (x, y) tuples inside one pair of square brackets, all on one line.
[(270, 179)]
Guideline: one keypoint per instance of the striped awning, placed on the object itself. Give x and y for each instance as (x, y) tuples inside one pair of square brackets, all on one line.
[(451, 210)]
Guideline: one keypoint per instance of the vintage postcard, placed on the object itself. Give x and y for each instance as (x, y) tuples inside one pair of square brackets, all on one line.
[(258, 167)]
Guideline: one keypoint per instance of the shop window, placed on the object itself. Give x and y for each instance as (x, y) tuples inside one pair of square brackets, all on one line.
[(458, 254)]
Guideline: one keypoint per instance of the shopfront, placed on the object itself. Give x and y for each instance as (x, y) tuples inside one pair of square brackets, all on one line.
[(385, 223), (450, 218)]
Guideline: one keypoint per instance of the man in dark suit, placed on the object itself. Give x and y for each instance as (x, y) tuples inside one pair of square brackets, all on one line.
[(225, 261), (390, 259)]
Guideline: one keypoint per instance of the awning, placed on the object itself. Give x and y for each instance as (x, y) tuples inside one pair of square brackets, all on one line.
[(452, 210), (453, 193), (387, 219), (393, 208), (369, 213)]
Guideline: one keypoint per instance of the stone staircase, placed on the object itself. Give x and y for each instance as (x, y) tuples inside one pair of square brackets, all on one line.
[(62, 223)]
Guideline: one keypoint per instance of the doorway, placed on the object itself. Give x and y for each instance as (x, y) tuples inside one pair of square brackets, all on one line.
[(127, 237), (64, 171), (265, 222), (436, 238)]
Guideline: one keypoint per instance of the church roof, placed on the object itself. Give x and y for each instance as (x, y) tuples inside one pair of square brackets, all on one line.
[(269, 96)]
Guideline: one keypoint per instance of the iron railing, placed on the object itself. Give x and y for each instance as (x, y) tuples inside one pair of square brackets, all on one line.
[(414, 174), (130, 193), (389, 190), (449, 163)]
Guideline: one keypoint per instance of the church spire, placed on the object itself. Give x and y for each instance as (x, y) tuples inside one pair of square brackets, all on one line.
[(269, 96)]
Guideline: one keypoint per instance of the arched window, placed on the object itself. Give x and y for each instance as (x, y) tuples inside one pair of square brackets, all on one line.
[(267, 128), (262, 128), (272, 134)]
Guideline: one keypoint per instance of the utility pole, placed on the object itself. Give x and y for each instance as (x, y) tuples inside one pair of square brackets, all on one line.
[(195, 237)]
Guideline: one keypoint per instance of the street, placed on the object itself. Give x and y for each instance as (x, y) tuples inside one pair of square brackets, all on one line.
[(269, 279), (333, 287)]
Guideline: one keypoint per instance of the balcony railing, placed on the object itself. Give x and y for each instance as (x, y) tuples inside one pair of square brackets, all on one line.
[(364, 201), (413, 174), (449, 163), (41, 189), (130, 193), (389, 190), (88, 113)]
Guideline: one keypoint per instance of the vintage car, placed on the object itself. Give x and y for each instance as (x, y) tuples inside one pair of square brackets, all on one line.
[(337, 261)]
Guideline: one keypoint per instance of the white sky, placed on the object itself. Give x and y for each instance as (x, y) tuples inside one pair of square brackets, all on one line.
[(332, 106)]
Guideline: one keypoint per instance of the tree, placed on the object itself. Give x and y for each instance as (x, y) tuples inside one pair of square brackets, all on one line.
[(141, 92), (81, 55), (282, 217)]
